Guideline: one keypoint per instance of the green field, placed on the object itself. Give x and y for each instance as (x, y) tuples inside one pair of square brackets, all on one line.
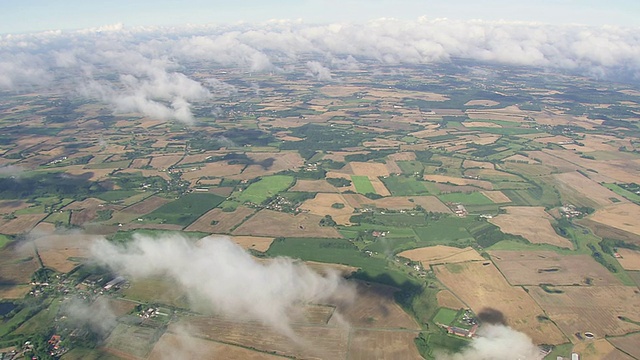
[(631, 196), (445, 316), (474, 198), (4, 240), (265, 188), (185, 210), (116, 195), (338, 251), (410, 167), (405, 186), (362, 184)]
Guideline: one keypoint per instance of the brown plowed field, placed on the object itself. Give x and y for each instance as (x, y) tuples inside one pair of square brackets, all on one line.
[(629, 344), (547, 267), (20, 224)]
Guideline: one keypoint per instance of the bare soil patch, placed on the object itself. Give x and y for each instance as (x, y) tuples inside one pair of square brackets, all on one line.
[(217, 221), (276, 224), (591, 308), (20, 224), (441, 254), (480, 285), (547, 267), (532, 223)]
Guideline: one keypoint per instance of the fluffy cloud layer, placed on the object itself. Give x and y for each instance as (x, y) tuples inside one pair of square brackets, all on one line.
[(143, 69)]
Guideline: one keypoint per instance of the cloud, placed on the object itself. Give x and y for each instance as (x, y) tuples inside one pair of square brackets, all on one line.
[(318, 71), (497, 342), (219, 275), (97, 316)]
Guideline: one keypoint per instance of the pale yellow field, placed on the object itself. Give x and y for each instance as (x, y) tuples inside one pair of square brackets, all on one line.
[(532, 223), (599, 349), (496, 196), (447, 299), (621, 216), (441, 254), (321, 205), (379, 187), (477, 164), (275, 224), (368, 169), (215, 169), (473, 124), (480, 285)]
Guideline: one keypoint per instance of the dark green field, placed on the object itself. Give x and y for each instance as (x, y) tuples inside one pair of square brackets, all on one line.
[(185, 210)]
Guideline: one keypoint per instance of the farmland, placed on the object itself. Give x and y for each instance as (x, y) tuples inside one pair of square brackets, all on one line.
[(429, 189)]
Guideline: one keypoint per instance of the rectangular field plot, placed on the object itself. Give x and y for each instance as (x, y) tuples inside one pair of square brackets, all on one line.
[(548, 267), (185, 210), (591, 308), (265, 188), (362, 184)]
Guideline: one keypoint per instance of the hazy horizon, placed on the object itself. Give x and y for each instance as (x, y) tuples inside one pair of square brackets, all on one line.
[(39, 15)]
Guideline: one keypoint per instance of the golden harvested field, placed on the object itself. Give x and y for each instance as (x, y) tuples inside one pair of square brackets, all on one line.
[(182, 346), (477, 164), (598, 350), (428, 202), (276, 224), (282, 161), (393, 167), (14, 291), (335, 174), (86, 203), (520, 158), (253, 242), (314, 342), (447, 299), (139, 163), (480, 285), (379, 187), (370, 169), (321, 205), (553, 161), (591, 308), (481, 124), (492, 174), (621, 216), (382, 143), (630, 259), (532, 223), (547, 267), (217, 221), (216, 169), (375, 344), (459, 181), (339, 155), (574, 184), (619, 169), (313, 186), (9, 206), (441, 254), (146, 206), (20, 224), (403, 156), (509, 113), (163, 162), (628, 343), (496, 196)]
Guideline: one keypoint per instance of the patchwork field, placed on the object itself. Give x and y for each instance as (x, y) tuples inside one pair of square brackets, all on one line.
[(441, 254), (277, 224), (20, 224), (596, 309), (532, 223), (582, 190), (548, 267), (628, 344), (497, 197), (218, 221), (459, 181), (481, 286)]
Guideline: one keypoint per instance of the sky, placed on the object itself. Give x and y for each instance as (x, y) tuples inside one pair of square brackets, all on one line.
[(19, 16)]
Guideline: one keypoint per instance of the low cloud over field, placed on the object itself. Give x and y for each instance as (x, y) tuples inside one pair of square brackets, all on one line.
[(219, 274), (497, 342), (145, 70)]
